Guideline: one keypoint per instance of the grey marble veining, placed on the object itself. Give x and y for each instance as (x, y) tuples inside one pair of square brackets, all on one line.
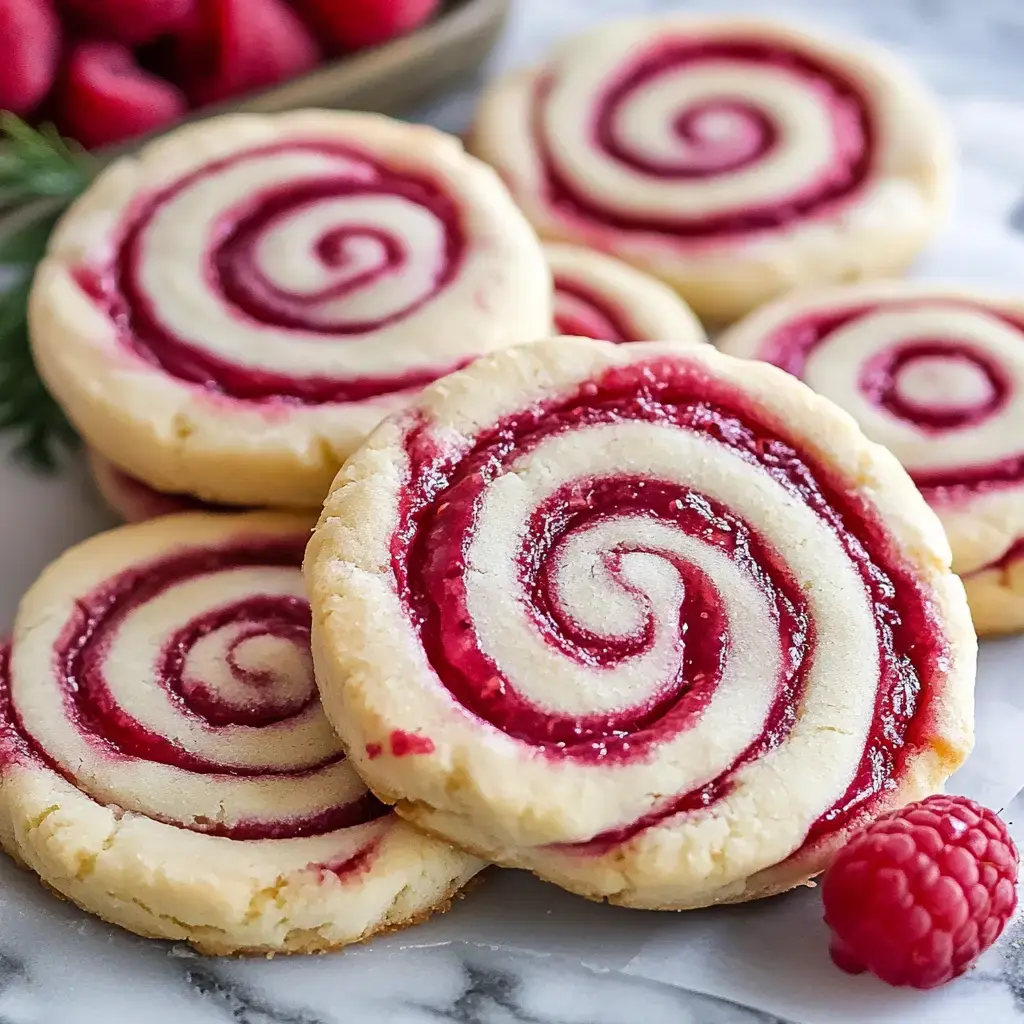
[(73, 970), (57, 964), (764, 964), (468, 985), (127, 979)]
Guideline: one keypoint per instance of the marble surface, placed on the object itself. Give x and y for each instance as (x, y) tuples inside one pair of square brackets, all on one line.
[(516, 951)]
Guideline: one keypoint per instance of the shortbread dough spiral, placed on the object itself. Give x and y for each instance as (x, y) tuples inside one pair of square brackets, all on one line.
[(597, 296)]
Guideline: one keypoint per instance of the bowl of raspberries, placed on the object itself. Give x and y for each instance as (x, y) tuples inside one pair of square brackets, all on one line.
[(106, 72)]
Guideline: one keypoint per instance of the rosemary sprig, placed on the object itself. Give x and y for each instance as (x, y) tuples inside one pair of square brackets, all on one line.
[(27, 409), (39, 176), (38, 163)]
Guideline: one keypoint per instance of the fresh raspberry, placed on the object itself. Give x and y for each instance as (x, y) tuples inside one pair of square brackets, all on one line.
[(236, 46), (30, 34), (131, 22), (919, 895), (353, 26), (107, 97)]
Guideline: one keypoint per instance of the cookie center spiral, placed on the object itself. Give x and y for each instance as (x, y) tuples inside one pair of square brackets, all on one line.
[(182, 689), (264, 261), (702, 138), (936, 385), (247, 663), (938, 382), (714, 135), (575, 590), (722, 135)]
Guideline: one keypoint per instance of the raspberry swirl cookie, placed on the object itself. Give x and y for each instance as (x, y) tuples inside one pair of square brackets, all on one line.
[(658, 624), (733, 158), (597, 296), (933, 373), (228, 313), (135, 501), (165, 762)]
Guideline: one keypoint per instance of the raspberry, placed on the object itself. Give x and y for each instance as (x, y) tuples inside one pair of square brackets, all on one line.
[(352, 26), (918, 896), (236, 46), (131, 22), (107, 97), (31, 46)]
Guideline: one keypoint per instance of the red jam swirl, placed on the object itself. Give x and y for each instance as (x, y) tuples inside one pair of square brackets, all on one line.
[(791, 345), (357, 864), (79, 661), (237, 277), (753, 136), (583, 313), (439, 518), (880, 382)]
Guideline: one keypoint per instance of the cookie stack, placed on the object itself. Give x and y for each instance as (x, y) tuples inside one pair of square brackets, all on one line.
[(741, 159), (660, 624)]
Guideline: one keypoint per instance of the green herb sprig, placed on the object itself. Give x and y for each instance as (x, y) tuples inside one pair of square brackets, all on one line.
[(40, 174)]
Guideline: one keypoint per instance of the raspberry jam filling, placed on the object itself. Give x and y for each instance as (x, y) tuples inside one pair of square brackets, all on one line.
[(440, 516), (89, 703), (406, 744), (350, 258), (681, 699), (934, 384), (720, 136), (582, 313)]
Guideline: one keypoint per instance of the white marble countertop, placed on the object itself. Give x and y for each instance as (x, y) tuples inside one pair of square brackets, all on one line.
[(763, 964)]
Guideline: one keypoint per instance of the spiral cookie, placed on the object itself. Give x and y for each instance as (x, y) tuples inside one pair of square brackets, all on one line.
[(733, 158), (597, 296), (164, 761), (658, 624), (228, 313), (932, 373), (135, 501)]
